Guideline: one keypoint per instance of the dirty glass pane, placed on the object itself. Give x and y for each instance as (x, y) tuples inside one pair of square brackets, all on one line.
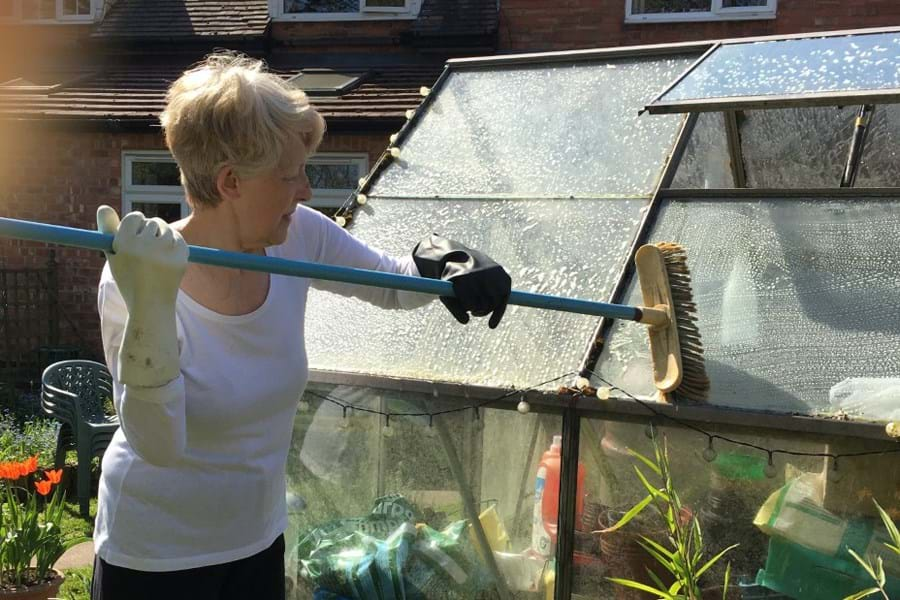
[(555, 130), (321, 6), (154, 173), (373, 506), (333, 176), (570, 248), (880, 165), (796, 147), (793, 521), (647, 7), (797, 303), (802, 66), (706, 163)]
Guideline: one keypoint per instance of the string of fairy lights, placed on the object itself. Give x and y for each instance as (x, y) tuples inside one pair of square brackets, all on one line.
[(603, 393)]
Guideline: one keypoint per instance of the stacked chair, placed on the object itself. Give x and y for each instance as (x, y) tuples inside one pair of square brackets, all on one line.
[(73, 392)]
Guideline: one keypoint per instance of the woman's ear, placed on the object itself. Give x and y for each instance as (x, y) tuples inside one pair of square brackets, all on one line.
[(227, 183)]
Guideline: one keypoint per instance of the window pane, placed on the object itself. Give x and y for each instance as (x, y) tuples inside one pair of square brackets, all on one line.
[(321, 6), (555, 130), (743, 3), (154, 173), (794, 297), (880, 166), (847, 63), (796, 147), (167, 211), (333, 176), (76, 7), (647, 7), (537, 243), (353, 482), (706, 162)]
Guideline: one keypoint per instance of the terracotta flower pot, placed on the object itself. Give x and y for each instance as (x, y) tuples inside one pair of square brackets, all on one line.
[(42, 591)]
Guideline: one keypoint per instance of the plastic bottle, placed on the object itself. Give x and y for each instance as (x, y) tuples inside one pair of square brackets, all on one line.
[(546, 499)]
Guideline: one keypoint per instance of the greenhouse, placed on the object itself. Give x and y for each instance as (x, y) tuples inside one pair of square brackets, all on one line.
[(438, 461)]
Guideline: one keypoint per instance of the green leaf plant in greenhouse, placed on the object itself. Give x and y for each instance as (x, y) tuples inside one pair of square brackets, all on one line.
[(684, 558), (875, 566)]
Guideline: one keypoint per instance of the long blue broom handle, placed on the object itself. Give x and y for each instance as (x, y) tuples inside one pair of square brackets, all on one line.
[(93, 240)]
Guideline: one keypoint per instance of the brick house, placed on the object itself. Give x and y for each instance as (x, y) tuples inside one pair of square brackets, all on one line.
[(83, 81)]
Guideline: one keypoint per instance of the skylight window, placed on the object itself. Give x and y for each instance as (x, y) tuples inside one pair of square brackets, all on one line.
[(326, 82)]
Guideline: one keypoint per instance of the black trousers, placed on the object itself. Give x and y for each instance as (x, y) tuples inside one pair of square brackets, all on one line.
[(258, 577)]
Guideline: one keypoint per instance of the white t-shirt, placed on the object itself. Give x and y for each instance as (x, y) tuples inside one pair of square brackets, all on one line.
[(195, 475)]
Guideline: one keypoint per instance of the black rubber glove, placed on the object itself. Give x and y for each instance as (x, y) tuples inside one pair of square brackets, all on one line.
[(481, 285)]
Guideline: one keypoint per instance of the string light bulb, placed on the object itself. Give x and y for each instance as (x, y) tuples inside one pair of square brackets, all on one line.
[(709, 454), (582, 382), (769, 470), (394, 151), (424, 91), (361, 199), (303, 406), (892, 429), (387, 430), (604, 392), (393, 138), (410, 114), (523, 407), (833, 474), (361, 182), (341, 221)]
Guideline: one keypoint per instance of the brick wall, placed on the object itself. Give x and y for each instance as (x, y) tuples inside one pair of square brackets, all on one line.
[(61, 177), (535, 25)]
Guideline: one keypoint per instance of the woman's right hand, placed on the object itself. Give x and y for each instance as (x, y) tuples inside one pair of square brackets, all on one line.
[(148, 261)]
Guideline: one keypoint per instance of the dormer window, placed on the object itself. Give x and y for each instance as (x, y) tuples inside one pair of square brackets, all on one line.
[(349, 10)]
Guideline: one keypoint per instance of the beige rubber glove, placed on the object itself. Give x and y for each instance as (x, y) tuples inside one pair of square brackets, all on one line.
[(148, 261)]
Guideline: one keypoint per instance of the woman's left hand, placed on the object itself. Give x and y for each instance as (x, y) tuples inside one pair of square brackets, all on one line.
[(481, 285)]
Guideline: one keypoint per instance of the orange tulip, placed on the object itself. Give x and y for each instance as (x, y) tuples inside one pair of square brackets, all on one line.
[(43, 487), (30, 465), (54, 476), (6, 471)]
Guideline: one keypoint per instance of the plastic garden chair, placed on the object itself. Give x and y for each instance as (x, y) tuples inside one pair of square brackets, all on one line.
[(73, 391)]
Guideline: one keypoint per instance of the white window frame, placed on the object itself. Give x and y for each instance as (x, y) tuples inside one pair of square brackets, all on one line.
[(169, 194), (151, 194), (409, 12), (59, 18), (717, 13), (335, 198)]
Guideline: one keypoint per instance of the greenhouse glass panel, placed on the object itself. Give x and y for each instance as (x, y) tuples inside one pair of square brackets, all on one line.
[(793, 520), (796, 147), (706, 162), (791, 67), (880, 165), (572, 248), (537, 131), (374, 505), (797, 304)]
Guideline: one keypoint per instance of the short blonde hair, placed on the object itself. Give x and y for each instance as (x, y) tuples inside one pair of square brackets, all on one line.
[(228, 110)]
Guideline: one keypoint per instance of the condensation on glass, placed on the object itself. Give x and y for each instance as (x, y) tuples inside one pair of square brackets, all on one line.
[(797, 300), (554, 130), (354, 480), (572, 248), (799, 66), (793, 520)]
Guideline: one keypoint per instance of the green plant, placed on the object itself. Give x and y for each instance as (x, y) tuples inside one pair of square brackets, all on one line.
[(31, 539), (684, 556), (77, 585), (875, 568), (21, 438)]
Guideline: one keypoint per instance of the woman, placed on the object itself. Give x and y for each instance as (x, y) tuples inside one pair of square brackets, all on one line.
[(209, 363)]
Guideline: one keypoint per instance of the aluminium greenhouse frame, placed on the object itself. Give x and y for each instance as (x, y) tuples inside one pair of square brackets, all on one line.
[(572, 405)]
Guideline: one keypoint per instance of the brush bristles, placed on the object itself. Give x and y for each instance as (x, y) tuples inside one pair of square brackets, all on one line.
[(694, 382)]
